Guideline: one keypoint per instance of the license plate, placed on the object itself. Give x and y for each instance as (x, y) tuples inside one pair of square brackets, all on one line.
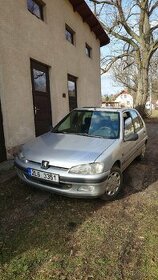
[(43, 175)]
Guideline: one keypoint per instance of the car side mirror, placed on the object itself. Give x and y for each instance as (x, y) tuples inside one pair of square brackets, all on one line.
[(131, 137)]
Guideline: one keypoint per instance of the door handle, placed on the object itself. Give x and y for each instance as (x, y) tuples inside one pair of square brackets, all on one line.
[(36, 109)]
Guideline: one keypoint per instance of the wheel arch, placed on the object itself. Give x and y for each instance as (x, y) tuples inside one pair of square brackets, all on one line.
[(117, 163)]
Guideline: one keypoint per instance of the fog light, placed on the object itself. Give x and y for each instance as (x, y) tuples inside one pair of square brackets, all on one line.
[(86, 188)]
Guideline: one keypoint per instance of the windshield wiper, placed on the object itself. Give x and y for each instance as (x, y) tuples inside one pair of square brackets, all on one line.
[(81, 134), (63, 132), (90, 135)]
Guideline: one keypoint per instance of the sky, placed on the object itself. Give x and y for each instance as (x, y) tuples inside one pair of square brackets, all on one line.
[(108, 85)]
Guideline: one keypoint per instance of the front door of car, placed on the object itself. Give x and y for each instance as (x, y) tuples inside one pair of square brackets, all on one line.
[(41, 97), (2, 142)]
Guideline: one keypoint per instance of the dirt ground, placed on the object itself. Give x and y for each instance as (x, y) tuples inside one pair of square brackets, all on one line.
[(83, 239)]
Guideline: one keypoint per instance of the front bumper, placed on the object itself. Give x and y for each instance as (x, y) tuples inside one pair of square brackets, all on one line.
[(72, 185)]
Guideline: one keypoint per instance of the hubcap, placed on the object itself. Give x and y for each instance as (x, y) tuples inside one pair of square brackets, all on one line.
[(113, 183)]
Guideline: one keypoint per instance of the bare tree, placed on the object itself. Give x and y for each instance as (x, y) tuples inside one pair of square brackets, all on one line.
[(134, 26), (126, 75)]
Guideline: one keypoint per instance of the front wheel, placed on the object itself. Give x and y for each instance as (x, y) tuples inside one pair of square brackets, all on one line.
[(113, 184)]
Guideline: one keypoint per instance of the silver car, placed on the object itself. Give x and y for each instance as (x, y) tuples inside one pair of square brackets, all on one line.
[(85, 153)]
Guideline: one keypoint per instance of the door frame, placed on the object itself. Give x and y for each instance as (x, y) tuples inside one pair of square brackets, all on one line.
[(44, 66), (3, 156)]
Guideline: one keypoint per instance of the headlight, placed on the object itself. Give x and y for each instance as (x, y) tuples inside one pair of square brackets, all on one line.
[(21, 156), (88, 169)]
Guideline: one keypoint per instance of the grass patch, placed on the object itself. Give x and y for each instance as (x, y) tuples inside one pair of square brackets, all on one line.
[(72, 239), (154, 114)]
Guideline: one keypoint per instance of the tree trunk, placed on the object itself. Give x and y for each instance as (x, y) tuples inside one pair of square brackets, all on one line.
[(143, 82), (142, 91)]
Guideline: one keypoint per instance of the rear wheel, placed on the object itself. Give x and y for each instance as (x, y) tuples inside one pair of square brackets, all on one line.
[(113, 184)]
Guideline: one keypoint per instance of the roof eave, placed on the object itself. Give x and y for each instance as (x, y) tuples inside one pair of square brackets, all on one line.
[(85, 12)]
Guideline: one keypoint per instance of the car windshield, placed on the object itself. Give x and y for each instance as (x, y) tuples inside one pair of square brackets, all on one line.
[(104, 124)]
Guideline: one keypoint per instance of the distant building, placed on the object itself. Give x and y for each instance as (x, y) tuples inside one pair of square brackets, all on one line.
[(110, 104), (149, 105), (156, 105), (124, 99)]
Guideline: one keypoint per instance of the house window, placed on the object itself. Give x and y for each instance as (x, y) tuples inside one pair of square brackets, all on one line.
[(69, 34), (39, 79), (72, 92), (36, 8), (88, 50)]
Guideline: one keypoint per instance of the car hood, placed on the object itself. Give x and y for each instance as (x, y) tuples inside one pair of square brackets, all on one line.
[(65, 150)]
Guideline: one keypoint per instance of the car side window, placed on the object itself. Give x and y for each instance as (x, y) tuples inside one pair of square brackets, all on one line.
[(137, 121), (128, 125)]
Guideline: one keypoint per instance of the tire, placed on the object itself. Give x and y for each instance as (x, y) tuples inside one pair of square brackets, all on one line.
[(142, 154), (113, 184)]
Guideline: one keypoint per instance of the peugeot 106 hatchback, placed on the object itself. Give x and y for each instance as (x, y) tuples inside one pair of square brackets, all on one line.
[(85, 154)]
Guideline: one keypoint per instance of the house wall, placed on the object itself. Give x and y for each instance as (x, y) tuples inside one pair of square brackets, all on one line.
[(125, 100), (24, 36)]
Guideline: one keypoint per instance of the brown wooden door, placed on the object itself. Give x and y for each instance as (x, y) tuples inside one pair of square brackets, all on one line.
[(41, 97), (2, 142)]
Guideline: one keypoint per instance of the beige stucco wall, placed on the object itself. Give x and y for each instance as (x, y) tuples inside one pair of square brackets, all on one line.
[(23, 36)]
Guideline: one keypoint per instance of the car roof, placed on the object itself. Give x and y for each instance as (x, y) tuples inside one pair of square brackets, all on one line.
[(107, 109)]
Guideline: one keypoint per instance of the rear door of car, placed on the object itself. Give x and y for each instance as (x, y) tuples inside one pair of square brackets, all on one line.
[(139, 128)]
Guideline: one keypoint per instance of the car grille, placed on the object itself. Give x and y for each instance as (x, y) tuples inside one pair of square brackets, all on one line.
[(52, 166)]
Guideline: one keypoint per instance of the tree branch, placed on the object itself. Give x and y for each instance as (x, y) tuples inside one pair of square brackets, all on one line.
[(99, 13), (153, 8), (119, 36), (153, 28), (124, 22), (155, 46), (112, 61), (112, 3), (153, 49)]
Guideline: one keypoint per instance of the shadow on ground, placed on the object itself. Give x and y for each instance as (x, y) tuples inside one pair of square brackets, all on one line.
[(140, 174)]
